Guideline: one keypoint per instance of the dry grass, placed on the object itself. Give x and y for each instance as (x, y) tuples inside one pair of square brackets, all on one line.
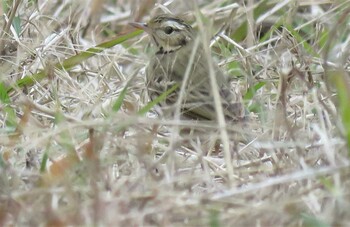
[(78, 148)]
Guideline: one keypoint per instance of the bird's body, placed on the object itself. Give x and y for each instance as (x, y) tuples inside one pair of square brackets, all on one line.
[(175, 40)]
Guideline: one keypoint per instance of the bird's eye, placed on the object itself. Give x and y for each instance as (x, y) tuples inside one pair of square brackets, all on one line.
[(168, 30)]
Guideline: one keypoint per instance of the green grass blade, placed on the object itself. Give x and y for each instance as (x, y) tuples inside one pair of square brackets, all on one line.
[(44, 162), (301, 40), (16, 23), (119, 102), (252, 90), (74, 60), (28, 80), (312, 221), (340, 80), (159, 99), (79, 58), (3, 94), (11, 118)]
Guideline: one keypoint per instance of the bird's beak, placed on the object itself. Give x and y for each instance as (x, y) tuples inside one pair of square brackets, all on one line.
[(139, 25)]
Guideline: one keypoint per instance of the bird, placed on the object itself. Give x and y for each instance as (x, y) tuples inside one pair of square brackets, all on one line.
[(174, 41)]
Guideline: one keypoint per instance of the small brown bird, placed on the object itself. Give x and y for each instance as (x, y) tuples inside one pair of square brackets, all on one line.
[(175, 42)]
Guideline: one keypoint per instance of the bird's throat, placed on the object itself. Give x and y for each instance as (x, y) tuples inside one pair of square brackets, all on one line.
[(168, 49)]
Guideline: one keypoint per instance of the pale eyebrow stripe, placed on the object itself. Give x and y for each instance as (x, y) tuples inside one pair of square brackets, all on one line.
[(174, 24)]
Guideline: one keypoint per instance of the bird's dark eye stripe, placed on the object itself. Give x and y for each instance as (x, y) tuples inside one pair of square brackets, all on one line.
[(174, 29)]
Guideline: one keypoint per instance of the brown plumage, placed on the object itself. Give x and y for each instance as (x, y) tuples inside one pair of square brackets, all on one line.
[(174, 40)]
